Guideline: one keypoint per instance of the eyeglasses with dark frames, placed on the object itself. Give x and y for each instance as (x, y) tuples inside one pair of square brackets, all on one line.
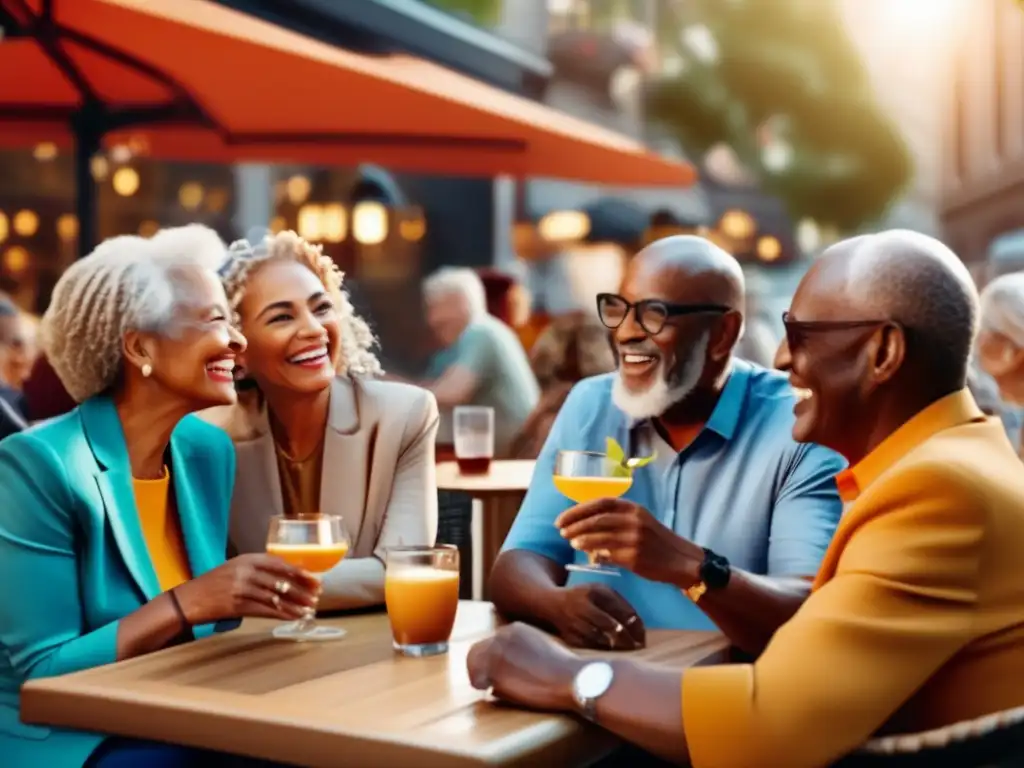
[(651, 314), (797, 330)]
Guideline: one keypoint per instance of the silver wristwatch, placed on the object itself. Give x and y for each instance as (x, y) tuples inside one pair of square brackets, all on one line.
[(591, 683)]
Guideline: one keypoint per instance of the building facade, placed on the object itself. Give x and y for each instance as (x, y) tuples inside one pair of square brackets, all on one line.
[(982, 170)]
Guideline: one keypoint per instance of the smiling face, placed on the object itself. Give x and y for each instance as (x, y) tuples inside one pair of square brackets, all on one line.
[(835, 372), (292, 327), (658, 370), (194, 358)]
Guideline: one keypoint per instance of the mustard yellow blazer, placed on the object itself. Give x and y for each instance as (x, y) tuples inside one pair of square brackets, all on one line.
[(916, 619)]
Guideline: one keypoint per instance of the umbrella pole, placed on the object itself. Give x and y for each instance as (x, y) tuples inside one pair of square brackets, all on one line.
[(87, 145)]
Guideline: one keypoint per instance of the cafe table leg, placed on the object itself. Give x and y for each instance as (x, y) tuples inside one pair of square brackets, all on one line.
[(477, 536), (492, 519)]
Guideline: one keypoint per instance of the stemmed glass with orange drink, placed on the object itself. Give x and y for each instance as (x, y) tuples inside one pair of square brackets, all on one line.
[(421, 590), (587, 476), (315, 543)]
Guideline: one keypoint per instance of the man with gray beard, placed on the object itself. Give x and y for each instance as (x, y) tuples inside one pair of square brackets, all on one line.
[(729, 520)]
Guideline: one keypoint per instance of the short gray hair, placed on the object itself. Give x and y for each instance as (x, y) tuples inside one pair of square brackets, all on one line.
[(461, 281), (1002, 307), (126, 283)]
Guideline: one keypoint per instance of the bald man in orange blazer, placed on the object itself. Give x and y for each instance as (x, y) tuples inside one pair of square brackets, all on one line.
[(916, 618)]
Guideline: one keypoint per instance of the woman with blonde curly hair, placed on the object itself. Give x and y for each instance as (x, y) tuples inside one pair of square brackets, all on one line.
[(114, 517), (323, 436)]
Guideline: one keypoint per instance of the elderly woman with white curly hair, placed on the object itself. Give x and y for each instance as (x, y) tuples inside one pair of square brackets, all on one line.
[(323, 436), (113, 517)]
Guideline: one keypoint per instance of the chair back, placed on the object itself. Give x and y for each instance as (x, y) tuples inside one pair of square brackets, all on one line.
[(992, 741)]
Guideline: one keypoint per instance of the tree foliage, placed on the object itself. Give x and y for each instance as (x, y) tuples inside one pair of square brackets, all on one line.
[(788, 64), (483, 12)]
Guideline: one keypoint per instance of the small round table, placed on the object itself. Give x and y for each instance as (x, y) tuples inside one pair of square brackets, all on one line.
[(496, 499)]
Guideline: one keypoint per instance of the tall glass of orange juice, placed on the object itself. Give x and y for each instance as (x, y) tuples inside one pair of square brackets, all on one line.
[(315, 543), (421, 589), (586, 476)]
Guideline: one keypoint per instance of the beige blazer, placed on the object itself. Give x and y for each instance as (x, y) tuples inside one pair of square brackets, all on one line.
[(378, 474)]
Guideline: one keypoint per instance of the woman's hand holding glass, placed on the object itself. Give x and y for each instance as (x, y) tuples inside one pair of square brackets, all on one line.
[(315, 543), (252, 585)]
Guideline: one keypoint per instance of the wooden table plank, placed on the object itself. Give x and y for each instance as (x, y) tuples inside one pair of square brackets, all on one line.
[(352, 702)]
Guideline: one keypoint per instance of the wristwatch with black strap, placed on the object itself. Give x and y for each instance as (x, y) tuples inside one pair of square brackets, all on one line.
[(714, 574)]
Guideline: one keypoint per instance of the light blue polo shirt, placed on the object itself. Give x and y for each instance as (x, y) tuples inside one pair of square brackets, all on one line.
[(505, 381), (744, 488)]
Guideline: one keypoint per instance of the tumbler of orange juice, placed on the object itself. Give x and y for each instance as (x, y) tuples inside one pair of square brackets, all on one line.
[(421, 590)]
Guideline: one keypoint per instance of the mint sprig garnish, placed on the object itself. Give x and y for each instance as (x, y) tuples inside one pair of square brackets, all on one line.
[(624, 466)]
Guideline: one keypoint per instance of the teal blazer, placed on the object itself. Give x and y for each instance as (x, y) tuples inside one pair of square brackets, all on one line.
[(73, 560)]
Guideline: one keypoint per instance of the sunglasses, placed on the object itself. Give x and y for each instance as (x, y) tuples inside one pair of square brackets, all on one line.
[(651, 314), (798, 330)]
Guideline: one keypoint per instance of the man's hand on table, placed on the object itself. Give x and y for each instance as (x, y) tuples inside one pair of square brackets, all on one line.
[(632, 538), (596, 616), (522, 665), (525, 666)]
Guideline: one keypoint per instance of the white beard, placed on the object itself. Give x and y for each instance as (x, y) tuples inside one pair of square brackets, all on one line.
[(661, 395)]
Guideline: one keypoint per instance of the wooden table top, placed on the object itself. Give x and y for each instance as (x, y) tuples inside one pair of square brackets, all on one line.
[(353, 702), (505, 476)]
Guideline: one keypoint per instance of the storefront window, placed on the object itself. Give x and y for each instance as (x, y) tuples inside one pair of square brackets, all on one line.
[(38, 221)]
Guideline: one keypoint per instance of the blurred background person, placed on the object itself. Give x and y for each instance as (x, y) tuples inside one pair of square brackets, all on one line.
[(335, 435), (18, 336), (999, 350), (139, 332), (481, 361), (12, 353), (986, 393), (509, 301), (571, 348), (758, 342)]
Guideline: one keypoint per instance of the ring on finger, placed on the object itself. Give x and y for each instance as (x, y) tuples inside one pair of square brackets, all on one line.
[(632, 620), (276, 600), (282, 587), (619, 629)]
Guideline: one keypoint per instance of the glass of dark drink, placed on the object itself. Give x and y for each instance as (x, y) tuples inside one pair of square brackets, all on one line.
[(473, 430)]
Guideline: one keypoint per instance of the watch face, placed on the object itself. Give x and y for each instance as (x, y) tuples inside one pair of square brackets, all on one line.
[(593, 680)]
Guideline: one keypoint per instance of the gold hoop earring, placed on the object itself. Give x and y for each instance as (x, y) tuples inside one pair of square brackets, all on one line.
[(147, 370)]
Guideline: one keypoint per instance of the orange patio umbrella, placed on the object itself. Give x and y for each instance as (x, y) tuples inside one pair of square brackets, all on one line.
[(191, 80)]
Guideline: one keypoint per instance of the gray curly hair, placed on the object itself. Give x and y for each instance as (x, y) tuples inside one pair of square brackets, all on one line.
[(245, 258), (126, 283)]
